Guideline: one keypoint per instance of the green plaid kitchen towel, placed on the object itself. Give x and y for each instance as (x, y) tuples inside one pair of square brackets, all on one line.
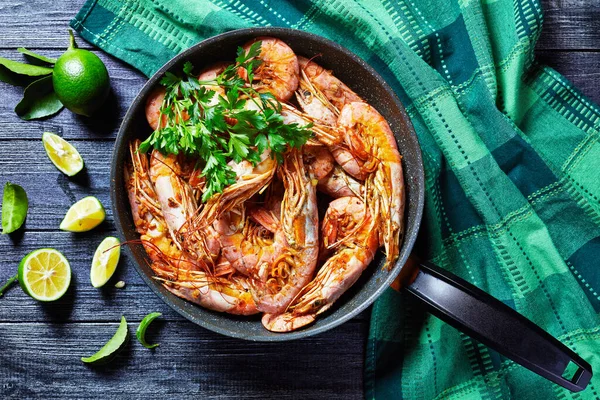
[(511, 159)]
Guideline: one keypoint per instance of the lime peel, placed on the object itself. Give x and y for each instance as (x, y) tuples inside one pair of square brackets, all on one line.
[(141, 330), (111, 348)]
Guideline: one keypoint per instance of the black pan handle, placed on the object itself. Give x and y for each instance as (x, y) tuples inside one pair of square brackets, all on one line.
[(498, 326)]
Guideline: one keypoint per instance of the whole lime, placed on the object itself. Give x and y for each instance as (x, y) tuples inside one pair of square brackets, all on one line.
[(80, 80)]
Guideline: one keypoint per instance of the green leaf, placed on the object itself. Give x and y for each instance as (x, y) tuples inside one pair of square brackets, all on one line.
[(14, 207), (238, 147), (169, 79), (253, 51), (35, 58), (24, 69), (111, 348), (188, 68), (261, 143), (39, 100), (141, 330), (15, 79)]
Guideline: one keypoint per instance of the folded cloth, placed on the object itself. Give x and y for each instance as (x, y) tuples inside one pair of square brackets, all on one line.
[(511, 158)]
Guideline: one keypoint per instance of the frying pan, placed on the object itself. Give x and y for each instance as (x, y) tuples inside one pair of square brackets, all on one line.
[(450, 298)]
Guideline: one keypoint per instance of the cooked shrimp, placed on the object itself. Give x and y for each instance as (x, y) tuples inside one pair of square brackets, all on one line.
[(300, 225), (318, 161), (172, 266), (230, 295), (153, 106), (250, 180), (280, 258), (331, 178), (346, 152), (178, 206), (322, 96), (175, 196), (249, 247), (223, 267), (211, 73), (369, 137), (352, 157), (315, 105), (324, 135), (207, 235), (340, 184), (148, 218), (278, 72), (327, 89), (348, 230)]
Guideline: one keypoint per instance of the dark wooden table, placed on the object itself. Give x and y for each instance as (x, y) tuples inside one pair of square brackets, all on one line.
[(40, 344)]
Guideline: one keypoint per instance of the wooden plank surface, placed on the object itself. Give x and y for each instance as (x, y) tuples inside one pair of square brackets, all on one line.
[(191, 362), (40, 345)]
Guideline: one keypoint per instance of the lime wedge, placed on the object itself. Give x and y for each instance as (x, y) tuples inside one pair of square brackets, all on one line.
[(45, 274), (111, 348), (105, 261), (63, 155), (84, 215)]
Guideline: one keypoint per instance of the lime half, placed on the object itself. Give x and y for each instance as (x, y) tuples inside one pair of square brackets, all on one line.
[(63, 155), (84, 215), (105, 261), (45, 274)]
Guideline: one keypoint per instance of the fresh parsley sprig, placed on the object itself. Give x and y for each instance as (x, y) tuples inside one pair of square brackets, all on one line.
[(217, 131)]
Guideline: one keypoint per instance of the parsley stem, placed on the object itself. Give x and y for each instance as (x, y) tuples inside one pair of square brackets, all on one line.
[(8, 284)]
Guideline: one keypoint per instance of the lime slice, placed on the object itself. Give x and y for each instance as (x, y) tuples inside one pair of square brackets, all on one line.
[(141, 330), (45, 274), (105, 261), (111, 348), (63, 155), (84, 215)]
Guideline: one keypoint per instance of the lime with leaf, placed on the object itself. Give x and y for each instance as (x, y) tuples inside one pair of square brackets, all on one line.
[(80, 80)]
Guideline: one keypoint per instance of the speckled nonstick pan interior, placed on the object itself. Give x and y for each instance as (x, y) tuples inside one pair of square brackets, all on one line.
[(361, 78)]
